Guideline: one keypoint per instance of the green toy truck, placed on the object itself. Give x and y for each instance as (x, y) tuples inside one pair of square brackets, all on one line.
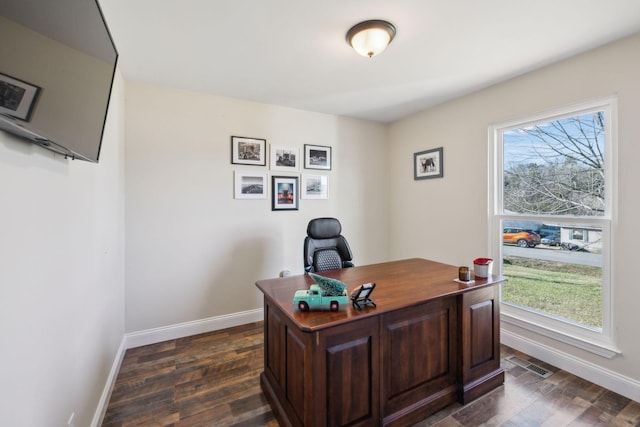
[(315, 299)]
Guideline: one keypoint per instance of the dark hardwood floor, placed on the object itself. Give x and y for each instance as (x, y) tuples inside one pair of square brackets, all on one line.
[(212, 379)]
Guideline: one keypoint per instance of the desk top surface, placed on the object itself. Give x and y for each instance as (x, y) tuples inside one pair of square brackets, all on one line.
[(399, 284)]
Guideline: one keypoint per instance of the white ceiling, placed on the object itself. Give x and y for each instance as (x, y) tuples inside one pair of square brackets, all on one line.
[(293, 52)]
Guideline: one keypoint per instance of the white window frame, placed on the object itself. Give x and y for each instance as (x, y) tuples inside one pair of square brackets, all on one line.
[(601, 342)]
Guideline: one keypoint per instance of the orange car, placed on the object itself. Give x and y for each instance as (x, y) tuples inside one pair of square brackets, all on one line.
[(520, 237)]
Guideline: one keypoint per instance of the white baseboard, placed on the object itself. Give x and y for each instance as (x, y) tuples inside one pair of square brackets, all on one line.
[(613, 381), (171, 332), (98, 416), (152, 336)]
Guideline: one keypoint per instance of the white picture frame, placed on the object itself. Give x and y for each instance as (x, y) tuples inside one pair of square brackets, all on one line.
[(315, 187), (250, 185), (284, 158)]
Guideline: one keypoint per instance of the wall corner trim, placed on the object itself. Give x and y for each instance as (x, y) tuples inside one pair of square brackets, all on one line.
[(156, 335), (103, 403)]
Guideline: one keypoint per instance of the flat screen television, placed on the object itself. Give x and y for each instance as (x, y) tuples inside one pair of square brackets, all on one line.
[(57, 65)]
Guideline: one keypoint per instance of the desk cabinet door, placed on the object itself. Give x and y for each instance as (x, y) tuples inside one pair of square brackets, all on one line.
[(419, 360), (347, 375), (480, 334)]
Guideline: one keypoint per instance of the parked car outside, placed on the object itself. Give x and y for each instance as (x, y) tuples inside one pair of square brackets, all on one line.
[(571, 246), (520, 237), (550, 240)]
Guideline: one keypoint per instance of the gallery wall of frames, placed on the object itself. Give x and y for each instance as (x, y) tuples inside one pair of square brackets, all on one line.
[(284, 174)]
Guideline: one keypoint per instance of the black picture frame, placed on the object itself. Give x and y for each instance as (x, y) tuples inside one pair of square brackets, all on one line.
[(428, 164), (248, 151), (317, 157), (18, 97), (285, 193)]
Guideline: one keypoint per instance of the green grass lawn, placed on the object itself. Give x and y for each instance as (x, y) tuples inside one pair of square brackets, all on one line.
[(569, 291)]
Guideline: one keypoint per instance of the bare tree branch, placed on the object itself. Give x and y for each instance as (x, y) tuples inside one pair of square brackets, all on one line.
[(565, 173)]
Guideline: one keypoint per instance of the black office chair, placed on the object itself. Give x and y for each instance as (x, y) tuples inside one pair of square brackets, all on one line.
[(324, 247)]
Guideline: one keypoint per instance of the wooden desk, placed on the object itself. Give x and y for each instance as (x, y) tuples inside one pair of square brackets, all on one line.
[(429, 342)]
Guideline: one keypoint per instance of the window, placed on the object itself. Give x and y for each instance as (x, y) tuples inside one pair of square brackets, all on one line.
[(577, 234), (552, 202)]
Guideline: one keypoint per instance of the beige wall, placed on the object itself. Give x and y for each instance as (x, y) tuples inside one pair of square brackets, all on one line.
[(61, 276), (446, 219), (193, 251)]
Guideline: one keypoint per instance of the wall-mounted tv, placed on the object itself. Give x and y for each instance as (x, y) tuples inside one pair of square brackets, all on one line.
[(57, 64)]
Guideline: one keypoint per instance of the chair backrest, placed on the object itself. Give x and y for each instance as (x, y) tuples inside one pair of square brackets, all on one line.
[(324, 247)]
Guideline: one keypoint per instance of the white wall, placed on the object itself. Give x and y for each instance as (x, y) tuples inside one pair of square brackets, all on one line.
[(446, 219), (62, 277), (193, 251)]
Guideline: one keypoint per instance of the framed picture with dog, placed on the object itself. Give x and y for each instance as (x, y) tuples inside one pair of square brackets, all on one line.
[(427, 164)]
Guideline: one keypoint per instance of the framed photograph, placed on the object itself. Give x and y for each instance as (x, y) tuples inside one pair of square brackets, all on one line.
[(248, 151), (427, 164), (315, 187), (250, 185), (17, 98), (317, 157), (284, 193), (284, 158)]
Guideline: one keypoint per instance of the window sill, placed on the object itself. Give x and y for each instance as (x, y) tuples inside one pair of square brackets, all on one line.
[(603, 349)]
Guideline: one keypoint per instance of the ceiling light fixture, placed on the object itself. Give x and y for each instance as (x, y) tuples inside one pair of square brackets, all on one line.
[(369, 38)]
